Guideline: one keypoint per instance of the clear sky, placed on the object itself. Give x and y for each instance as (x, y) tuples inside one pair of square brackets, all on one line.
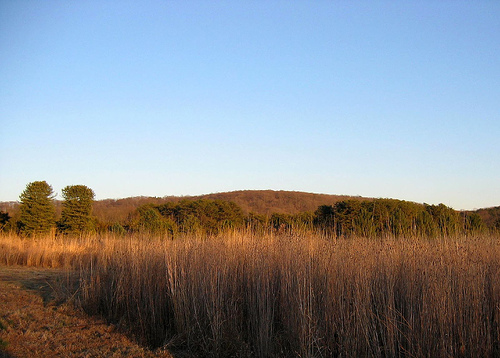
[(396, 99)]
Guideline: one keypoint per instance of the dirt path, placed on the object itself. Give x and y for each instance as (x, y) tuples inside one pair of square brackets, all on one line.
[(34, 322)]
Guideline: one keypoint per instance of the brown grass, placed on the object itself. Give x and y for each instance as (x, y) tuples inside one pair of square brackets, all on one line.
[(34, 324), (287, 295)]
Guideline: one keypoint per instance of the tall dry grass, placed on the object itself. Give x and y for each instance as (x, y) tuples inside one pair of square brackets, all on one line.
[(288, 295)]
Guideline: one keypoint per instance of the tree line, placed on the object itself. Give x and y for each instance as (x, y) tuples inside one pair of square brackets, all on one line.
[(369, 218), (37, 212), (395, 217)]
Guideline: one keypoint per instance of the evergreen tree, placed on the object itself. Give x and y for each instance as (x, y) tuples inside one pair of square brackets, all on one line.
[(37, 210), (76, 215)]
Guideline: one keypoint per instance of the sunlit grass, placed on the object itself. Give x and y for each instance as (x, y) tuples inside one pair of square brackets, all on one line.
[(241, 294)]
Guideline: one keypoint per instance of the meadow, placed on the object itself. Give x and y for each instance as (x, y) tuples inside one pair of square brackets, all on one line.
[(299, 294)]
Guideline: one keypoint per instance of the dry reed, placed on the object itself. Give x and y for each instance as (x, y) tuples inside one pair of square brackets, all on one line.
[(303, 295)]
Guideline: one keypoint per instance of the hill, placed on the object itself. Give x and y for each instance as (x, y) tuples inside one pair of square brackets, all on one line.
[(256, 201), (263, 202), (490, 216), (270, 201)]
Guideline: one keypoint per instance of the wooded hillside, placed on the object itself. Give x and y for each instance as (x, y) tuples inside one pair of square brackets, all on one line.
[(284, 202), (259, 203), (262, 202)]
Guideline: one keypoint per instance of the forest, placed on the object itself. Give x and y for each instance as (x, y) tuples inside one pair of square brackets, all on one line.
[(340, 216)]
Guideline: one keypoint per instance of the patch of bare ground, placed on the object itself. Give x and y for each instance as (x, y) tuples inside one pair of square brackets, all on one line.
[(36, 322)]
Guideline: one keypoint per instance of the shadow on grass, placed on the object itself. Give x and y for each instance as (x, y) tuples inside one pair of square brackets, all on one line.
[(55, 286), (4, 354)]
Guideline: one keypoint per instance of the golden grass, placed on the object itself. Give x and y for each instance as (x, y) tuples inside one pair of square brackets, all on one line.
[(304, 295)]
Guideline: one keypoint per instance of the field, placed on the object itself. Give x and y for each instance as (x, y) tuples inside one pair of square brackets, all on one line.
[(282, 295)]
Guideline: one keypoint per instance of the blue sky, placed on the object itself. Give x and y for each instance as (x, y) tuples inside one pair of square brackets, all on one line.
[(375, 98)]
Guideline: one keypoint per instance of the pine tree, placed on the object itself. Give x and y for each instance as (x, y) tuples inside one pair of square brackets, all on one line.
[(76, 214), (37, 210)]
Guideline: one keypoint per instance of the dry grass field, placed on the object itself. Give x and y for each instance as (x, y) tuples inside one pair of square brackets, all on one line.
[(37, 320), (303, 295)]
